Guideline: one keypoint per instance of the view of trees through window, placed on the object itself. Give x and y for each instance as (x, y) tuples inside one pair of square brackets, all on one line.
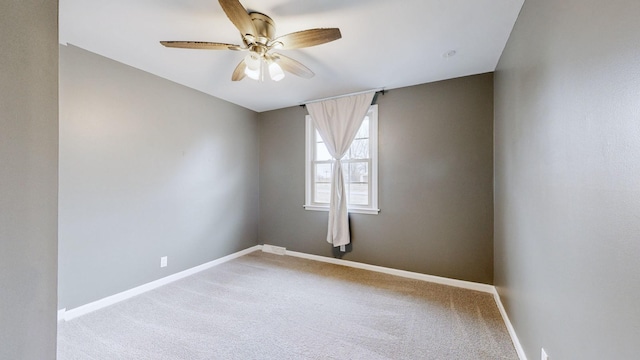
[(355, 165)]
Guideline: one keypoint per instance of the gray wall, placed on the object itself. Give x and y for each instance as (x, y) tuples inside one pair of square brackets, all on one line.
[(436, 190), (567, 193), (28, 178), (148, 168)]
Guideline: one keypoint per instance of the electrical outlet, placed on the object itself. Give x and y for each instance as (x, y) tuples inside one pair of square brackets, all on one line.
[(543, 355), (163, 261)]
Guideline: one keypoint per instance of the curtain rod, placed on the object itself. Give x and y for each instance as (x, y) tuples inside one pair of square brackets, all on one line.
[(381, 91)]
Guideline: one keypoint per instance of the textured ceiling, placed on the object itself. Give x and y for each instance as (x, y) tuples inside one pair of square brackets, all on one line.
[(385, 44)]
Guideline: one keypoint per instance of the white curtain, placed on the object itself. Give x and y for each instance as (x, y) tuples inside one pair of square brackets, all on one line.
[(338, 121)]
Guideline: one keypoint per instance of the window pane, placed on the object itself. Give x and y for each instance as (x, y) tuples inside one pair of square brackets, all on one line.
[(358, 172), (322, 183), (322, 154), (363, 132), (322, 173), (318, 137), (359, 194), (321, 193), (359, 149), (358, 182)]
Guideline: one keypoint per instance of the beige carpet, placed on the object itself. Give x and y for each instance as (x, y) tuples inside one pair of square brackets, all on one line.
[(265, 306)]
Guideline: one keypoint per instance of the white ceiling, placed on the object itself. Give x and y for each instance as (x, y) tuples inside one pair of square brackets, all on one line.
[(385, 44)]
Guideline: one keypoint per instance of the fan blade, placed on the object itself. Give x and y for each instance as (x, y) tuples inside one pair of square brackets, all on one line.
[(307, 38), (200, 45), (238, 16), (238, 73), (292, 66)]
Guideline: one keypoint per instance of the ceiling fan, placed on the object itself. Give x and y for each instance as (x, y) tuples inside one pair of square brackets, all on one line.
[(258, 37)]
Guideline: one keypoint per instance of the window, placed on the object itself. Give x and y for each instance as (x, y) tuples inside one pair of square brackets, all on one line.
[(360, 166)]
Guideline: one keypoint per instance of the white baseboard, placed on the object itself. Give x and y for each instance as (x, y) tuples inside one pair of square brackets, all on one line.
[(61, 313), (67, 315), (402, 273), (510, 328)]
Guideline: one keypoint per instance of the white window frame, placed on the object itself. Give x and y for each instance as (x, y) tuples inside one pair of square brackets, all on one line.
[(310, 129)]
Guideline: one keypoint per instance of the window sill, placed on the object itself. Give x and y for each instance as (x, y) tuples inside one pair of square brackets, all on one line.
[(351, 210)]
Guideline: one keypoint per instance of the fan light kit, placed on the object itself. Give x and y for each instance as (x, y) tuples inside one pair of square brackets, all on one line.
[(258, 37)]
